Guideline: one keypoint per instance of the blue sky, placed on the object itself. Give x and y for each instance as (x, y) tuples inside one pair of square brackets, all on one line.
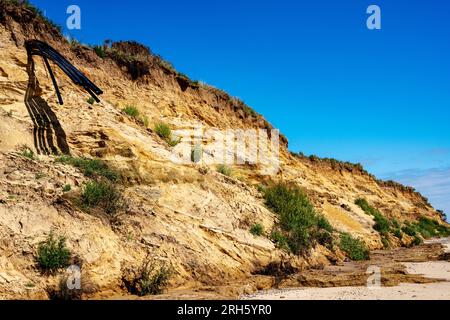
[(313, 69)]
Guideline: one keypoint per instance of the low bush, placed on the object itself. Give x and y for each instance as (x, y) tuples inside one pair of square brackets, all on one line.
[(417, 240), (324, 224), (90, 167), (67, 188), (354, 248), (149, 279), (131, 111), (103, 195), (225, 170), (91, 100), (395, 223), (164, 132), (429, 228), (382, 225), (409, 230), (52, 254), (257, 229), (299, 226), (364, 205), (426, 228), (279, 238), (398, 233)]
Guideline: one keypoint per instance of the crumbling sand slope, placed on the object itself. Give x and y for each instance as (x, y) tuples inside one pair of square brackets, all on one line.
[(196, 219)]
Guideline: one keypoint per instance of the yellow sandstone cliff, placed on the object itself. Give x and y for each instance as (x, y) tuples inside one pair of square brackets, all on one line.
[(188, 215)]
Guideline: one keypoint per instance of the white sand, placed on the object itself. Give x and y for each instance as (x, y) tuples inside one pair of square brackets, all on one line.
[(430, 291), (433, 291)]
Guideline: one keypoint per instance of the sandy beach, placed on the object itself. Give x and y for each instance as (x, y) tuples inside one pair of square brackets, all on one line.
[(439, 270)]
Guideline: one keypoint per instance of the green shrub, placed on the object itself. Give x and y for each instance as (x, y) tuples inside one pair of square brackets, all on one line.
[(443, 231), (354, 248), (257, 229), (395, 224), (364, 205), (225, 170), (67, 188), (426, 228), (52, 254), (382, 225), (103, 195), (409, 230), (429, 228), (324, 224), (280, 240), (131, 111), (299, 224), (417, 240), (163, 130), (149, 279), (91, 101), (90, 167), (398, 233)]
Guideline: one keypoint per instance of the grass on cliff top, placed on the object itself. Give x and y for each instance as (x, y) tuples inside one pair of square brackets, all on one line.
[(37, 12), (300, 227), (90, 167)]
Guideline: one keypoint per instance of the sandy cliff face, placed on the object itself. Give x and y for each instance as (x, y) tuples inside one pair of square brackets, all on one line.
[(196, 219)]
